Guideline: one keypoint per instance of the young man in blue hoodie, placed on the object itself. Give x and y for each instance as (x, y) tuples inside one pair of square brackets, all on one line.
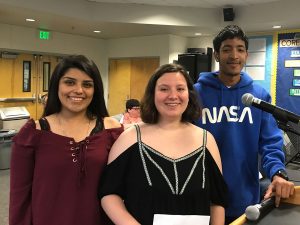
[(242, 133)]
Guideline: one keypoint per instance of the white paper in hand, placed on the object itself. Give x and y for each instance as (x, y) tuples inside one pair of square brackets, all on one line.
[(164, 219)]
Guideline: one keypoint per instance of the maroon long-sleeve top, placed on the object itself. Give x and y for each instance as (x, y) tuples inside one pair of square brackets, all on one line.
[(54, 179)]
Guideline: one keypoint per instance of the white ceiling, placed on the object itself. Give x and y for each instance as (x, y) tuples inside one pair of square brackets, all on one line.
[(132, 18), (189, 3)]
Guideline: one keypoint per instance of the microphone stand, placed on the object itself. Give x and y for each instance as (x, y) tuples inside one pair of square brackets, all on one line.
[(282, 121), (286, 127)]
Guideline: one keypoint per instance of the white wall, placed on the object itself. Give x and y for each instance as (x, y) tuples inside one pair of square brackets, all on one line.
[(177, 45), (204, 42), (24, 39), (147, 46), (166, 47)]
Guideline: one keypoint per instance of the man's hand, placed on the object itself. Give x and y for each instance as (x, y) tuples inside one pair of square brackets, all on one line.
[(280, 188)]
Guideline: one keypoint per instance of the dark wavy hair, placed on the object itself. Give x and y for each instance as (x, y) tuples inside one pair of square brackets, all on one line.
[(149, 113), (130, 103), (97, 107), (229, 32)]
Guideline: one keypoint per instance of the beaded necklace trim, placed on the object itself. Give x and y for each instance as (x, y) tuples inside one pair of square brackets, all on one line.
[(144, 153)]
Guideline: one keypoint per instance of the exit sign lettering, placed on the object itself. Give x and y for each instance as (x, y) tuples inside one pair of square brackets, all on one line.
[(44, 35)]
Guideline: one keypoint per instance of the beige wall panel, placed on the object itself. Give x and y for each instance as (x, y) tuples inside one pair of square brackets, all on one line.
[(142, 70), (119, 85), (6, 82)]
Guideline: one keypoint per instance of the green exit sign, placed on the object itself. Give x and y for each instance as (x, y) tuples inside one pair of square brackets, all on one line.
[(44, 35)]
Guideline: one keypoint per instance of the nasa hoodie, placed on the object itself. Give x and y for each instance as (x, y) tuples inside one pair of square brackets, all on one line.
[(242, 133)]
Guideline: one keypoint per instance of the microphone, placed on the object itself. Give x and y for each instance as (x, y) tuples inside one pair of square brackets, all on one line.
[(279, 113), (255, 212)]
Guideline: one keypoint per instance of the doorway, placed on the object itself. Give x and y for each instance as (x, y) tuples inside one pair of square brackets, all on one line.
[(24, 79), (127, 79)]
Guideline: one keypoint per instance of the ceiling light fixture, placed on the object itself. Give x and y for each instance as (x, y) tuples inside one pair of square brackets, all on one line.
[(198, 34), (30, 20), (276, 27), (97, 31)]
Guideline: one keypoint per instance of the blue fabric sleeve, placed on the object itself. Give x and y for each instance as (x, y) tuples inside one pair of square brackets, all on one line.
[(271, 143)]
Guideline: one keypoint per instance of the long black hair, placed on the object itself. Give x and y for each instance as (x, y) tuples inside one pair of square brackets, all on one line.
[(97, 107)]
